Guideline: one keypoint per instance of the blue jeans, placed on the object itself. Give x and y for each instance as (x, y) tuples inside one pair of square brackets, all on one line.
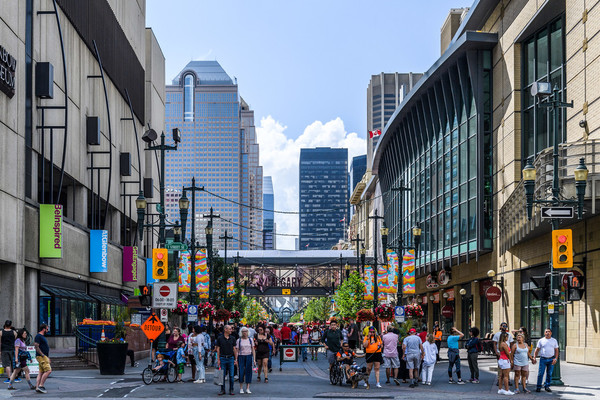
[(545, 365), (245, 368), (304, 353), (200, 371), (227, 367), (453, 361)]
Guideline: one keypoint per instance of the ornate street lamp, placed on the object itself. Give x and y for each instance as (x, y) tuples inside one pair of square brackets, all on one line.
[(141, 204), (529, 185), (581, 174), (416, 231), (184, 205)]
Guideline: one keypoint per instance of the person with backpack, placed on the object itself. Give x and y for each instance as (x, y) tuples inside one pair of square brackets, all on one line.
[(473, 346), (246, 359), (332, 341)]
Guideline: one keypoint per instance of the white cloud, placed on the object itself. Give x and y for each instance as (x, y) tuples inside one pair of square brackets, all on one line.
[(279, 156)]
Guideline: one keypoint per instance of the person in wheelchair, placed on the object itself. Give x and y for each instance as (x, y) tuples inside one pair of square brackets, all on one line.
[(345, 357)]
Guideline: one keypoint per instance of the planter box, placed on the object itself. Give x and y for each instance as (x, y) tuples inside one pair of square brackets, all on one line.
[(112, 358)]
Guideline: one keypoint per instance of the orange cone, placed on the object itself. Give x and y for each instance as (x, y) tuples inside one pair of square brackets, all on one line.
[(102, 336)]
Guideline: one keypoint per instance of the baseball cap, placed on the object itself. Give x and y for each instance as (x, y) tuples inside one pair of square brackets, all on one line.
[(412, 330)]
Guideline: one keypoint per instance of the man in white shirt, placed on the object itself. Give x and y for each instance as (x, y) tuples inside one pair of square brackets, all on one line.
[(496, 339), (547, 348)]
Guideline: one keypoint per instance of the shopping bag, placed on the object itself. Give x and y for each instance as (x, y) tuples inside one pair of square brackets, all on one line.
[(218, 377)]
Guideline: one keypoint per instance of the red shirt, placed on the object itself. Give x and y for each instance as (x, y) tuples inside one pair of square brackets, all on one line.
[(277, 333), (423, 336), (285, 333)]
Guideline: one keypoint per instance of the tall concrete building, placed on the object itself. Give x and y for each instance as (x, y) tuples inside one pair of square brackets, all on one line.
[(450, 26), (218, 147), (68, 229), (384, 94), (323, 197), (268, 214)]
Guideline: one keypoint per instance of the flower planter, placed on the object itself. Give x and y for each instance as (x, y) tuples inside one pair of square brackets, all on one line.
[(112, 358)]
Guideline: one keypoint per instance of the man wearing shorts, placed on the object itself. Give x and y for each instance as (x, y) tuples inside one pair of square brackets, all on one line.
[(391, 363), (7, 346), (42, 351), (413, 354), (332, 340)]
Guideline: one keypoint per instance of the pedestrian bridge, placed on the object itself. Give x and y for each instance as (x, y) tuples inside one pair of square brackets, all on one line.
[(294, 273)]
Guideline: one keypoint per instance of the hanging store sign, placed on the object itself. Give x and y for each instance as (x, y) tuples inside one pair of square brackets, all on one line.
[(450, 294), (8, 68), (50, 231), (98, 251), (443, 277), (431, 282), (130, 258), (493, 294)]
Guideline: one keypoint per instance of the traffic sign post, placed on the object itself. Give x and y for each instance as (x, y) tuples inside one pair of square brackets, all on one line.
[(176, 246), (165, 295), (399, 314), (164, 315), (192, 313), (557, 212), (152, 327)]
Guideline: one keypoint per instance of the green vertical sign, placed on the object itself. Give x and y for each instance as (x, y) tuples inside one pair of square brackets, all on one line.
[(50, 231)]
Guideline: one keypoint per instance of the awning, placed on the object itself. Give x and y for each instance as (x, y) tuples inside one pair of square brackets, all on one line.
[(108, 299), (67, 293)]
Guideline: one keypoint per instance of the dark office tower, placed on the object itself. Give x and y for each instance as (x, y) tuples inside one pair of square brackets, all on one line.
[(268, 214), (323, 197), (357, 170)]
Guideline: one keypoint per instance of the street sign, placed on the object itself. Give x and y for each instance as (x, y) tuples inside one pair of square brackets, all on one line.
[(164, 315), (176, 246), (550, 308), (192, 313), (399, 314), (289, 354), (152, 327), (286, 291), (165, 295), (557, 212)]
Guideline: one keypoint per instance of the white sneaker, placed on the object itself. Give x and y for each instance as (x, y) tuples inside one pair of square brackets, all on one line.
[(241, 391), (198, 381), (428, 383), (501, 391), (365, 385), (248, 391), (378, 385), (508, 393)]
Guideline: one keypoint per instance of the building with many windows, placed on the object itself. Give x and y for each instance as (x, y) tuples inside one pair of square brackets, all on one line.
[(323, 197), (459, 142), (218, 147), (269, 238)]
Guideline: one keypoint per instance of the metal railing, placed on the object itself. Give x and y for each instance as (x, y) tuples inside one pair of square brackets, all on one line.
[(85, 346), (513, 223)]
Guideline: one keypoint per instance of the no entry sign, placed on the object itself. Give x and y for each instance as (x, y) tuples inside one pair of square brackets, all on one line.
[(165, 295), (289, 354)]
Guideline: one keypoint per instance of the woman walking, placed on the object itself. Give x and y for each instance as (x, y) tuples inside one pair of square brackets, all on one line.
[(199, 354), (246, 356), (373, 347), (305, 341), (315, 339), (429, 359), (504, 363), (21, 358), (521, 357), (262, 352)]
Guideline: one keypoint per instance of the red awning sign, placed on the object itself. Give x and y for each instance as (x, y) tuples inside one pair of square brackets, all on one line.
[(493, 294)]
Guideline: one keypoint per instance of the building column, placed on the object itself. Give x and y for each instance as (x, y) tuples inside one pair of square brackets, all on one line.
[(430, 320), (476, 317), (14, 293), (458, 309)]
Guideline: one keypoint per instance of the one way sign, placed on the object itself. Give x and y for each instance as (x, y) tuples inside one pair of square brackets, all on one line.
[(557, 212)]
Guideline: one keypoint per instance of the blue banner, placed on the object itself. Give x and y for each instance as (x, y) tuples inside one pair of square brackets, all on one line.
[(149, 280), (98, 251)]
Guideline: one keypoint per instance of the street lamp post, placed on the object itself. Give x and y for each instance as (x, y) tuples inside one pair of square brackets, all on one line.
[(542, 90), (363, 255)]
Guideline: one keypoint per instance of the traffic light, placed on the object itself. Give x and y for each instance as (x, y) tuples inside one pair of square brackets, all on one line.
[(562, 248), (160, 262), (542, 287), (576, 288), (145, 297)]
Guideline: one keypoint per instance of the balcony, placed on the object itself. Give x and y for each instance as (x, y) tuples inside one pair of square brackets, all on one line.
[(514, 226)]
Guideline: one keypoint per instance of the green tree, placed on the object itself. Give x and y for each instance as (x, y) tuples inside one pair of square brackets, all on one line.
[(318, 309), (296, 317), (254, 312), (349, 297)]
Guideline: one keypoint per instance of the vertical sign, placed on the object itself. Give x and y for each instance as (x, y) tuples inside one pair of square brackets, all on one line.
[(408, 272), (231, 286), (130, 259), (202, 278), (98, 251), (185, 277), (149, 279), (50, 231), (368, 280)]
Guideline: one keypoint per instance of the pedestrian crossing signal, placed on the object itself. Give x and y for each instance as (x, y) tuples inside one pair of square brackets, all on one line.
[(562, 248), (160, 262), (576, 288)]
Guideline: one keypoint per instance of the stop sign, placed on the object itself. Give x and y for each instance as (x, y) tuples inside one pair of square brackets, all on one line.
[(289, 353), (493, 294), (164, 291)]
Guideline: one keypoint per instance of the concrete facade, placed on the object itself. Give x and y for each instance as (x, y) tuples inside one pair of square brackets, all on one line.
[(22, 271)]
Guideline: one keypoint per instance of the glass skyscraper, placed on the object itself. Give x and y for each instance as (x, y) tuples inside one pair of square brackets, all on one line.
[(218, 147), (323, 197), (268, 214)]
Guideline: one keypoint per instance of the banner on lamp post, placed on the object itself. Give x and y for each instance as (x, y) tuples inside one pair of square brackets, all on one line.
[(98, 251), (408, 272), (130, 259), (51, 231), (184, 273), (202, 274), (369, 285)]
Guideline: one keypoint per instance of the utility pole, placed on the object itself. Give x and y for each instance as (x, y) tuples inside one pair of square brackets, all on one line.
[(226, 237), (358, 240)]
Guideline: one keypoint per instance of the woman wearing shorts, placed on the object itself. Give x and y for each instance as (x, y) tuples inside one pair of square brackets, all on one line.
[(521, 357), (21, 358), (373, 346), (504, 363), (262, 352)]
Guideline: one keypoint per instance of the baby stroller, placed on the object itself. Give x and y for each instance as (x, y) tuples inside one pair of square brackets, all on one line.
[(166, 372)]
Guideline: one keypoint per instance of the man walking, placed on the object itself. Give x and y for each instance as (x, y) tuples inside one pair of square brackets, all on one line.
[(42, 351), (391, 363), (286, 332), (547, 348), (332, 340), (413, 354), (352, 335), (7, 347), (226, 357)]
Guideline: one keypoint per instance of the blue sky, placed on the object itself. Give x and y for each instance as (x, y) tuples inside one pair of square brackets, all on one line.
[(303, 66)]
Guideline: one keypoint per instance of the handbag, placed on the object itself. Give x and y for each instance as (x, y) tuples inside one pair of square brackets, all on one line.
[(218, 377)]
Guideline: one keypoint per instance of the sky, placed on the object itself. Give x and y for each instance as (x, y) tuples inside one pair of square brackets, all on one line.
[(302, 66)]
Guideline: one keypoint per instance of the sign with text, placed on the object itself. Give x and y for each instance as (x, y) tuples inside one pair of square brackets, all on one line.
[(493, 294), (192, 313), (152, 327), (399, 314), (164, 295), (51, 231), (164, 315), (98, 251), (8, 68), (130, 259)]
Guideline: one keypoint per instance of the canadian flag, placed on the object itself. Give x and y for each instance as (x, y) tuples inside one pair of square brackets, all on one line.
[(374, 133)]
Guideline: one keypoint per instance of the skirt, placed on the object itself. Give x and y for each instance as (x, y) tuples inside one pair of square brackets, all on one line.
[(374, 357)]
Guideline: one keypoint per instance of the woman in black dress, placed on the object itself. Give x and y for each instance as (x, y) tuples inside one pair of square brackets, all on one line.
[(402, 371), (262, 352)]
